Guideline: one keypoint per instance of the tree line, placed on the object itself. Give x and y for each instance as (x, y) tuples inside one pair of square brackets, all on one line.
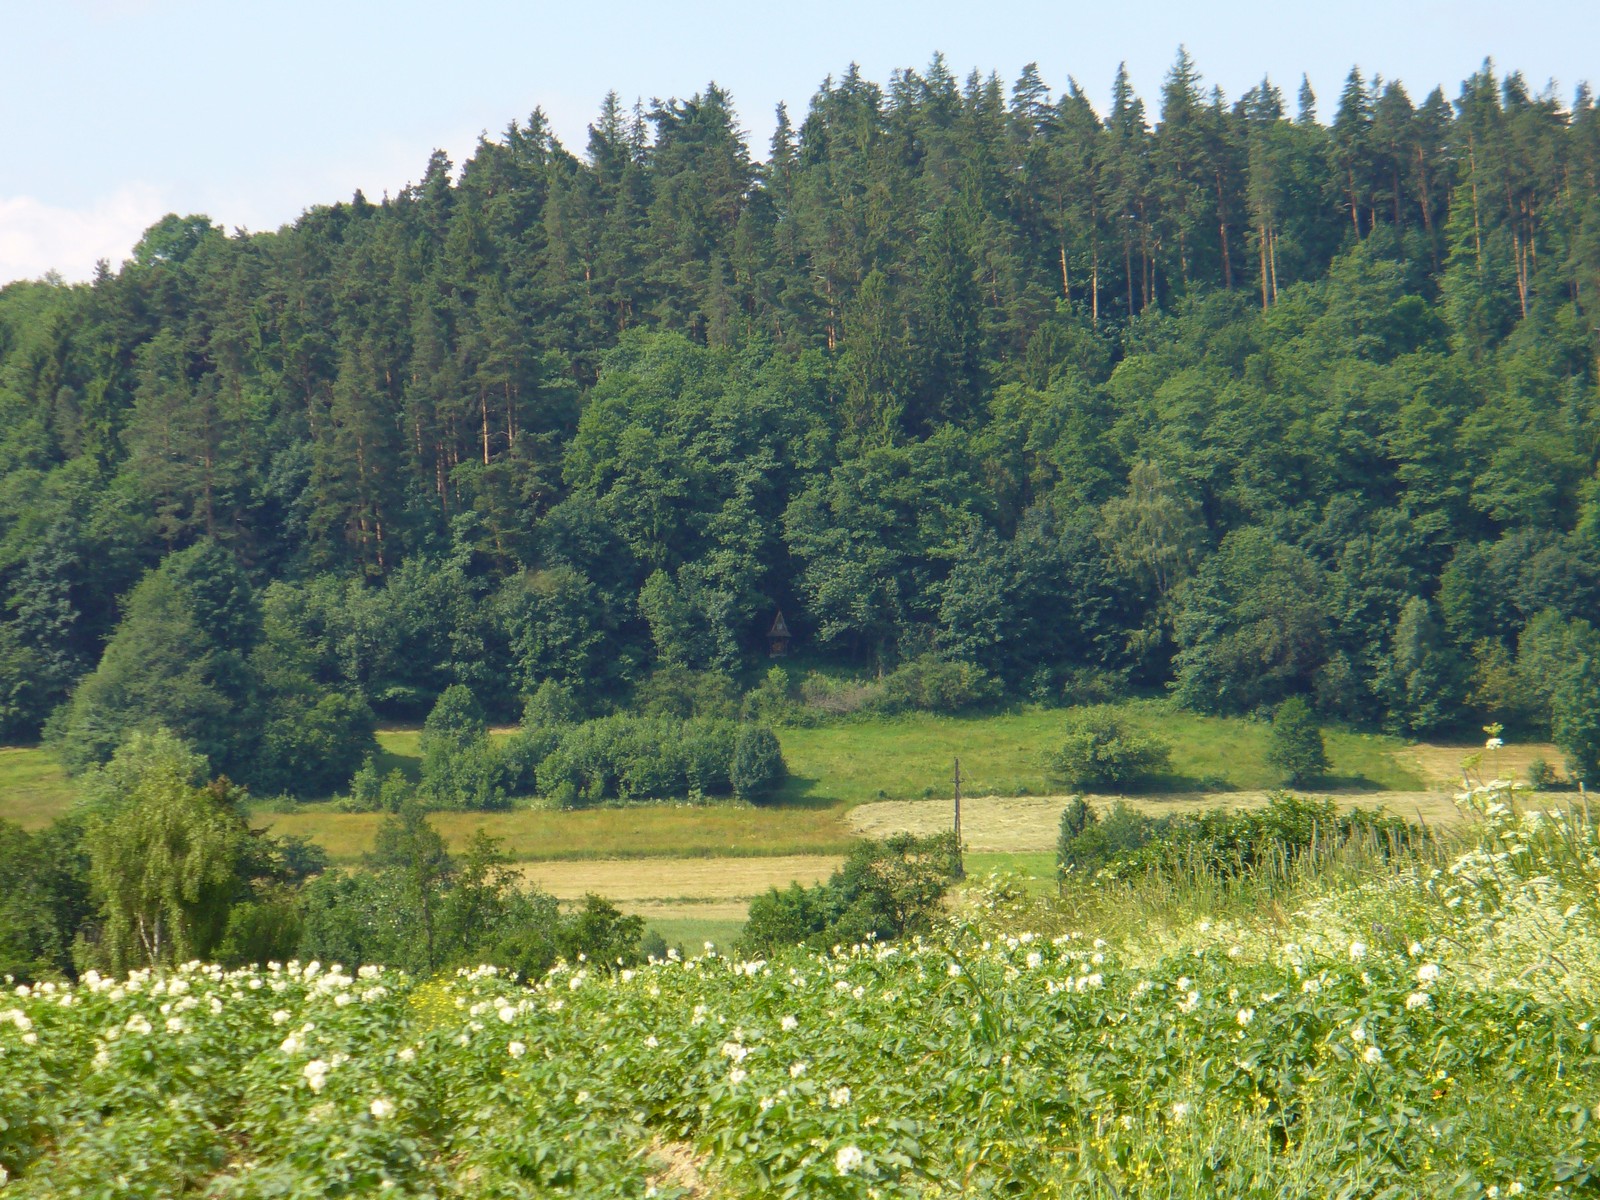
[(1215, 397)]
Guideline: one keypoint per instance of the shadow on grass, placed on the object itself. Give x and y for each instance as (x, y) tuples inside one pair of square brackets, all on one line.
[(409, 765), (1342, 783), (1179, 785), (1154, 787), (801, 791)]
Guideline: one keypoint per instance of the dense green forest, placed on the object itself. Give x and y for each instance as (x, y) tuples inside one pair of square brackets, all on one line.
[(980, 388)]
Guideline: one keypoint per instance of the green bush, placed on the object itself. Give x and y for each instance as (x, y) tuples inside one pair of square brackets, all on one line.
[(929, 683), (1220, 841), (884, 890), (652, 764), (643, 758), (1099, 753), (462, 768), (520, 756), (710, 750), (1088, 841), (372, 792), (1093, 685), (672, 691), (312, 745), (830, 697), (769, 700), (552, 704), (758, 768), (456, 717), (1542, 776), (1295, 748)]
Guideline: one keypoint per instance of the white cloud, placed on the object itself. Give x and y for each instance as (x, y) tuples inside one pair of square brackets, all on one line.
[(36, 237)]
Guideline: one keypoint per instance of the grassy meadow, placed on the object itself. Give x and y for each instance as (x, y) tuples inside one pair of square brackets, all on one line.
[(34, 790), (833, 767), (634, 831), (1006, 754)]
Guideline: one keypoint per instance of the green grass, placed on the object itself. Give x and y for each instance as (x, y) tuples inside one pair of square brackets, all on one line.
[(690, 934), (832, 766), (400, 750), (908, 757), (34, 790), (1037, 870), (637, 831)]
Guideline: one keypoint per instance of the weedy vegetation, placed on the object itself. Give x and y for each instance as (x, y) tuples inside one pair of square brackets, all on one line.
[(1368, 1016)]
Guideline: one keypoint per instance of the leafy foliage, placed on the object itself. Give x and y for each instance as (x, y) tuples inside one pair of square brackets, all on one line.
[(1207, 1058), (1296, 747), (1100, 752), (970, 386), (1223, 842), (886, 890)]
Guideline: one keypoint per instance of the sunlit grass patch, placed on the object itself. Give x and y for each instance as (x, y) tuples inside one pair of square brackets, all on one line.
[(909, 757), (634, 831), (34, 790)]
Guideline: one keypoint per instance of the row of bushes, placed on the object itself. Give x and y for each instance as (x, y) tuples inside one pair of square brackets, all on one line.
[(1124, 842), (576, 762), (927, 683), (654, 758)]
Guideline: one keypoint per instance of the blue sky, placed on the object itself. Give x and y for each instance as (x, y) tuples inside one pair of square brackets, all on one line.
[(117, 111)]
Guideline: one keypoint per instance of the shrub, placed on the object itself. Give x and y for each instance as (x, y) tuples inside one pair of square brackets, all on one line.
[(471, 776), (758, 768), (1093, 685), (1088, 841), (311, 746), (520, 756), (456, 716), (461, 767), (1099, 753), (1542, 776), (641, 758), (651, 764), (1222, 842), (371, 792), (884, 890), (769, 700), (929, 683), (552, 704), (838, 697), (671, 691), (583, 766), (1575, 706), (1295, 747), (709, 750)]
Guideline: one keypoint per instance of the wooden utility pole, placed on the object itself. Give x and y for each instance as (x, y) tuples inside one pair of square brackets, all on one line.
[(960, 871)]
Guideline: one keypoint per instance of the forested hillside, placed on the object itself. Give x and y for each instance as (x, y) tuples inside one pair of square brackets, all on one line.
[(1247, 398)]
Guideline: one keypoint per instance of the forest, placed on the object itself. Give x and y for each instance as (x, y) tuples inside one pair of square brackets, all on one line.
[(995, 394)]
